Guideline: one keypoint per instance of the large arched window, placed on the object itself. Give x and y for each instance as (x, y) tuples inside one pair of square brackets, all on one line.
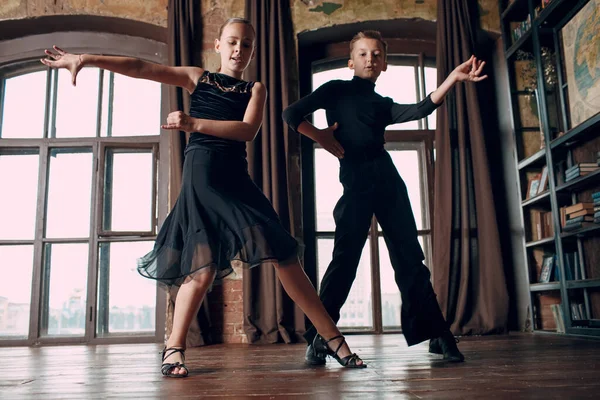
[(374, 301), (83, 176)]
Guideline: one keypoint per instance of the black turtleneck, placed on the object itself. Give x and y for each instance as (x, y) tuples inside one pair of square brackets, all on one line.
[(362, 115)]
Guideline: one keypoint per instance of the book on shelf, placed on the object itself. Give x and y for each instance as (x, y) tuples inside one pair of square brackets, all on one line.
[(577, 225), (558, 317), (577, 174), (543, 185), (542, 225), (580, 169), (533, 185), (578, 312), (548, 267), (582, 213), (582, 165), (579, 207), (572, 270), (580, 218)]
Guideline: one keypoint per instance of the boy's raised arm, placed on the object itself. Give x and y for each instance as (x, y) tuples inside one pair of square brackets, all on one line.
[(469, 71), (411, 112)]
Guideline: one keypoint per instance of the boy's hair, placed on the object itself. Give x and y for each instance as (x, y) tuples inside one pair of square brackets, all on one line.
[(236, 20), (369, 35)]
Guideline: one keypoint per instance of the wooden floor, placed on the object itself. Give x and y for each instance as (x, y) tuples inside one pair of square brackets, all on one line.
[(520, 366)]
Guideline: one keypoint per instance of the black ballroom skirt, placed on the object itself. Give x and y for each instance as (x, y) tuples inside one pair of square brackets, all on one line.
[(220, 216)]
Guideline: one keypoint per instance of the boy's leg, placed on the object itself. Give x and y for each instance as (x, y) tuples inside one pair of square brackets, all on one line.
[(352, 215), (421, 317)]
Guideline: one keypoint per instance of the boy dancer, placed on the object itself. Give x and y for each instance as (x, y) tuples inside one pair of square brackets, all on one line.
[(357, 118)]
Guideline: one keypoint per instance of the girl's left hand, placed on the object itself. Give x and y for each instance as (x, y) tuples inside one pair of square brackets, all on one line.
[(180, 121), (470, 70)]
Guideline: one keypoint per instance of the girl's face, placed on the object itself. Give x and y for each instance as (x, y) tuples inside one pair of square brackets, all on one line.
[(236, 47)]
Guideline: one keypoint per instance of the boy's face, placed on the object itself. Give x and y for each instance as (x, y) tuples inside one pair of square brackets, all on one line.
[(367, 59)]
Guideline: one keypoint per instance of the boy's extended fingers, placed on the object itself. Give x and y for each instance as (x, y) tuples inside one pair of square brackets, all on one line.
[(51, 54), (468, 62), (478, 71), (61, 51)]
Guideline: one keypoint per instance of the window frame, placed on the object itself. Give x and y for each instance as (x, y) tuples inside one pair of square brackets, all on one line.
[(20, 56), (422, 139)]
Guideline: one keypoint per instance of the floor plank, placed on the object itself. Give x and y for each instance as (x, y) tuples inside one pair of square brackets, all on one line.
[(516, 366)]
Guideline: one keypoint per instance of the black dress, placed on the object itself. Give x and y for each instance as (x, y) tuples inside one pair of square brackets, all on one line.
[(220, 214)]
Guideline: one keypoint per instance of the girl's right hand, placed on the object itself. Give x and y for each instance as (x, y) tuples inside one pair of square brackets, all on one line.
[(328, 141), (62, 59)]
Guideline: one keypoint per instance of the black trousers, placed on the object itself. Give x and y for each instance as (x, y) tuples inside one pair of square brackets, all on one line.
[(373, 186)]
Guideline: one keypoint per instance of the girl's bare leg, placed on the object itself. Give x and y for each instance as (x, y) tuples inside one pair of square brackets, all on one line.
[(187, 303), (302, 292)]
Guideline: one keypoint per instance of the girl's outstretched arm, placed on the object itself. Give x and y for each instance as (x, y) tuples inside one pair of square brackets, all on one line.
[(244, 131), (469, 71), (185, 77)]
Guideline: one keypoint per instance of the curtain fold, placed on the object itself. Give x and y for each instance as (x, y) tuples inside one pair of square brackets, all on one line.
[(269, 314), (184, 26), (468, 270)]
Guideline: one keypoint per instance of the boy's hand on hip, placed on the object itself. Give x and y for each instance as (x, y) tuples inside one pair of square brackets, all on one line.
[(328, 141)]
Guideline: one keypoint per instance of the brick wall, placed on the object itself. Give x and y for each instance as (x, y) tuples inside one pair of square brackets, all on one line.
[(226, 299)]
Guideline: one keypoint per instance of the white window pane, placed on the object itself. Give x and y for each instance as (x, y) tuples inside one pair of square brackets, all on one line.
[(357, 311), (430, 86), (126, 300), (408, 165), (136, 107), (398, 83), (16, 267), (18, 207), (320, 78), (128, 191), (328, 188), (106, 101), (77, 106), (66, 268), (24, 106), (69, 193)]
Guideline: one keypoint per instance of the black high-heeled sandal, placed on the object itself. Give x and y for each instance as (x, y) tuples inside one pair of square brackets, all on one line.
[(167, 367), (321, 346)]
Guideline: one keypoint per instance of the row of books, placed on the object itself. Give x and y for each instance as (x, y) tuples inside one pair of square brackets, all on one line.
[(580, 169), (542, 224), (550, 272), (580, 215), (520, 28), (572, 267), (596, 203), (578, 313)]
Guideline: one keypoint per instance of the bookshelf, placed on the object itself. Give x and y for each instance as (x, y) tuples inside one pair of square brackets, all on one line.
[(557, 160)]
